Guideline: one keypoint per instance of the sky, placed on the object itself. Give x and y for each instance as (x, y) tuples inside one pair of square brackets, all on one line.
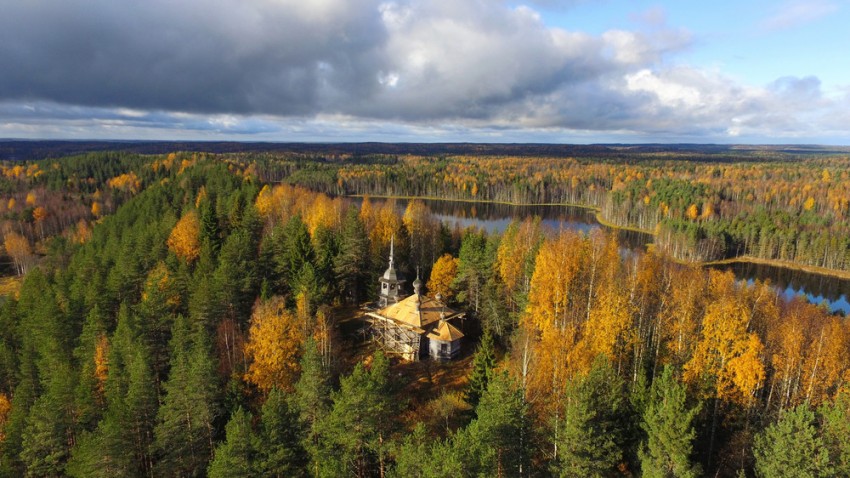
[(571, 71)]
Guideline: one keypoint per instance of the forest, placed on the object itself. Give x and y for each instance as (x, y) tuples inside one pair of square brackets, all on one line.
[(195, 314), (794, 209)]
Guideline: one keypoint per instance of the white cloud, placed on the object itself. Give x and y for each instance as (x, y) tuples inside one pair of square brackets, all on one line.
[(669, 93), (795, 13)]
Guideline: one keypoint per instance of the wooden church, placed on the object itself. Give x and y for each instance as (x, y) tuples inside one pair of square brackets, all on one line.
[(416, 326)]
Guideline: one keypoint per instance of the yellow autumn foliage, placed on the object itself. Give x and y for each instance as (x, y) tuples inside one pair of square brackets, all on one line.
[(127, 182), (101, 361), (442, 275), (184, 240), (274, 343), (5, 409)]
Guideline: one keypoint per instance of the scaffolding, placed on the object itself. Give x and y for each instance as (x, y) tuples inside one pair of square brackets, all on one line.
[(395, 337)]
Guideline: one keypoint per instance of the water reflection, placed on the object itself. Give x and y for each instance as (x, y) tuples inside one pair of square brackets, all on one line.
[(496, 217), (816, 287), (493, 217)]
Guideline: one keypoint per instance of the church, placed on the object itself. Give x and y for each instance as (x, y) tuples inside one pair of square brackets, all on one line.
[(414, 327)]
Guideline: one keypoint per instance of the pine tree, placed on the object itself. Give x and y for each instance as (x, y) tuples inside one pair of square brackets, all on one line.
[(501, 431), (184, 431), (119, 446), (413, 455), (792, 447), (836, 432), (355, 435), (237, 456), (281, 453), (593, 434), (473, 264), (667, 422)]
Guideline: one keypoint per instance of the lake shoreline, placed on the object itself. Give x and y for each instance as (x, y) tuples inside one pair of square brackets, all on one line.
[(834, 273)]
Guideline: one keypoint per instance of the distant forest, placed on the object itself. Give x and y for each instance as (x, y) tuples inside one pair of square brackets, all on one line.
[(198, 314)]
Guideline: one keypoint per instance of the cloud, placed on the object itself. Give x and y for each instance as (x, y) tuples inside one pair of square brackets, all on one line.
[(408, 59), (335, 69), (795, 13)]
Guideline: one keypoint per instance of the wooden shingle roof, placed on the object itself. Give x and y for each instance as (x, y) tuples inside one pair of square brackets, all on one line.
[(418, 311)]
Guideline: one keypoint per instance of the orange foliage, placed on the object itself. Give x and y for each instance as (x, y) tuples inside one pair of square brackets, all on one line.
[(519, 243), (265, 202), (202, 195), (552, 295), (82, 233), (127, 182), (5, 409), (274, 343), (809, 204), (184, 240), (442, 276), (693, 212), (727, 356), (18, 248), (39, 214), (96, 209), (101, 361)]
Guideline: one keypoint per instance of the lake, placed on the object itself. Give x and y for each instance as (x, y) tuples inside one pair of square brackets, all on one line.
[(496, 217)]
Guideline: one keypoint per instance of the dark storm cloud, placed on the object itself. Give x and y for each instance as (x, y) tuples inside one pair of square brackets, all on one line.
[(410, 60), (197, 56)]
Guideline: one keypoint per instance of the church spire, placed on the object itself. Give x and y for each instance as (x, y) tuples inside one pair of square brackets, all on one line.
[(392, 239), (417, 284), (390, 282)]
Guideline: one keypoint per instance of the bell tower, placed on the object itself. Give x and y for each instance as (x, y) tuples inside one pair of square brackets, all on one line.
[(390, 283)]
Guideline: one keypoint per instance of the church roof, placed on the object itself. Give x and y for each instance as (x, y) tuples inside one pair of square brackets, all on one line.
[(418, 311), (446, 332)]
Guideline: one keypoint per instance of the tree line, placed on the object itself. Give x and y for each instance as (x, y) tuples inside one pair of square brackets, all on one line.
[(788, 208)]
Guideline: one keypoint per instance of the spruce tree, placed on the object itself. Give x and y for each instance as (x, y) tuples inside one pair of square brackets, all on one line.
[(413, 458), (326, 248), (237, 278), (237, 456), (482, 368), (667, 421), (119, 446), (351, 265), (311, 401), (50, 422)]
